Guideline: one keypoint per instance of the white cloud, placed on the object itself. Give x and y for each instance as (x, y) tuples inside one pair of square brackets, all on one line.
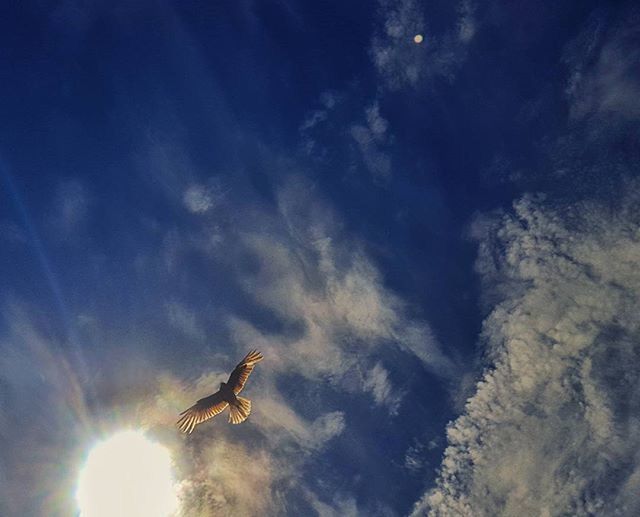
[(414, 460), (197, 199), (229, 478), (400, 62), (371, 140), (377, 382), (342, 506), (394, 54), (328, 99), (315, 119), (553, 426), (200, 199), (327, 426), (377, 124)]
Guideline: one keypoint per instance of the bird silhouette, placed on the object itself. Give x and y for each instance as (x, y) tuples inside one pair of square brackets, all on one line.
[(226, 396)]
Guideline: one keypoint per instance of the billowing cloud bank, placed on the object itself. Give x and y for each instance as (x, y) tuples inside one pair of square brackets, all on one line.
[(553, 426)]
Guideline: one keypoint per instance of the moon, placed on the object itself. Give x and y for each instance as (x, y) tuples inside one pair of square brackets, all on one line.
[(418, 38), (127, 475)]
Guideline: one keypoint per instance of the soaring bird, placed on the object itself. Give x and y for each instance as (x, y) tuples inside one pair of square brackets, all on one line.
[(208, 407)]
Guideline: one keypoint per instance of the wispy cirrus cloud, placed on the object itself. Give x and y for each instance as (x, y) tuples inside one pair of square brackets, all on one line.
[(315, 276), (342, 506), (372, 139)]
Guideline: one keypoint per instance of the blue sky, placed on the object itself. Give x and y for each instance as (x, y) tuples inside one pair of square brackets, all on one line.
[(432, 244)]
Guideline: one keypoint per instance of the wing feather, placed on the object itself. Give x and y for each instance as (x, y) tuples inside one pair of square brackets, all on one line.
[(240, 373), (201, 411)]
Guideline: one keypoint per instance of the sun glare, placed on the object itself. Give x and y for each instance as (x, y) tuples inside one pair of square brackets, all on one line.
[(127, 475)]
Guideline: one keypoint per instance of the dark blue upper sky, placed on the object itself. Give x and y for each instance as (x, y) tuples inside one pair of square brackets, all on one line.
[(181, 181)]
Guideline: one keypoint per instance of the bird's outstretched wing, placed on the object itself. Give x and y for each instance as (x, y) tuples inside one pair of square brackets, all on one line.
[(202, 410), (241, 373)]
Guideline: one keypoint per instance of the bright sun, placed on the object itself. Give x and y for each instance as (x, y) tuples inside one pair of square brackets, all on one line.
[(129, 476)]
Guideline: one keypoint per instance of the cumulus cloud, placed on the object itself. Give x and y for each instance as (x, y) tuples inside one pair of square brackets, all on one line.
[(400, 62), (553, 426)]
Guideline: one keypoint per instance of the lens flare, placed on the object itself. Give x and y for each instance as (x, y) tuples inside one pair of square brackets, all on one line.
[(128, 476)]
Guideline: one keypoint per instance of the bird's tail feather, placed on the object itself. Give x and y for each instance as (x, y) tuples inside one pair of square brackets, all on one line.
[(239, 413)]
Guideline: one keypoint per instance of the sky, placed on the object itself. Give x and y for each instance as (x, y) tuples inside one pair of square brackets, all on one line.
[(434, 245)]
